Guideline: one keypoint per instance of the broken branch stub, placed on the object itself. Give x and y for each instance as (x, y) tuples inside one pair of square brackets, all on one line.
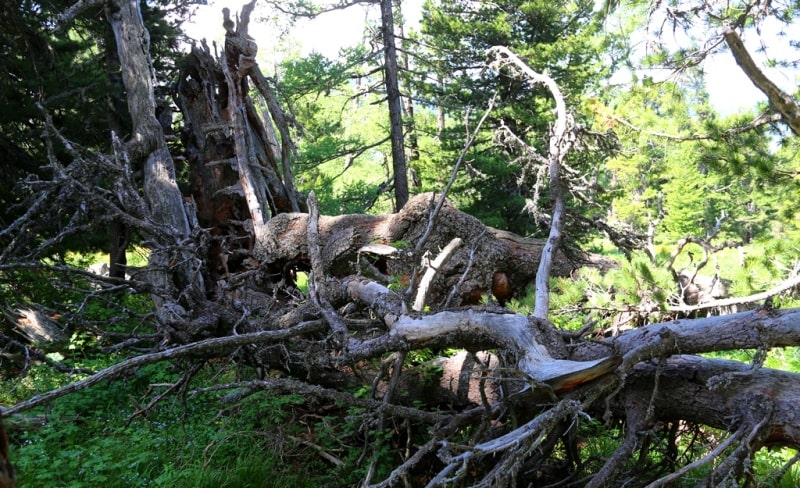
[(431, 269)]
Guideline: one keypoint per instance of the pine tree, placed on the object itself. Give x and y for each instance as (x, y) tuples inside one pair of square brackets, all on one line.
[(557, 38)]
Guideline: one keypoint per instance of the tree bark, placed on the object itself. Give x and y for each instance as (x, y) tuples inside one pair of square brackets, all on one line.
[(410, 134), (346, 236), (118, 246), (240, 169), (395, 107), (747, 330), (717, 393), (172, 272), (559, 148)]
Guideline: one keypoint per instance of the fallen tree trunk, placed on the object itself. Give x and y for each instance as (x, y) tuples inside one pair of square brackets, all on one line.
[(717, 393), (756, 329), (524, 338), (347, 240)]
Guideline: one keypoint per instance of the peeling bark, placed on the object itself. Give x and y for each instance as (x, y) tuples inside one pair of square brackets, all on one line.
[(718, 393), (240, 177)]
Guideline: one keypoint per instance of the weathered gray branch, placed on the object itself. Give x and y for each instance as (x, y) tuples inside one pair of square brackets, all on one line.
[(147, 143), (559, 147), (200, 347), (430, 272), (782, 101), (747, 330), (316, 283), (67, 16), (477, 330), (727, 302)]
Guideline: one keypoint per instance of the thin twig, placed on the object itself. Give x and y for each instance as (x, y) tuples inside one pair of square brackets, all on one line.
[(437, 208), (316, 282), (711, 456), (208, 345)]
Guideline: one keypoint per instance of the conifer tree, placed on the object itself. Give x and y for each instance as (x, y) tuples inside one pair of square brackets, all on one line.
[(556, 38)]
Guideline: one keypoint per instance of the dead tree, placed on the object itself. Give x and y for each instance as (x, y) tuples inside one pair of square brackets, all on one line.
[(504, 412)]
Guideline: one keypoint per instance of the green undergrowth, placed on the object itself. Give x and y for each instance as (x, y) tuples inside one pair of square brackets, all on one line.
[(92, 438), (272, 439)]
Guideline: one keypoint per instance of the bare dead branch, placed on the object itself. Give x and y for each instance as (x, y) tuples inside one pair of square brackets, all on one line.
[(316, 283), (443, 197), (745, 330), (312, 10), (324, 454), (782, 101), (728, 302), (757, 430), (306, 389), (760, 120), (711, 456), (560, 146), (524, 438), (402, 470), (430, 272), (66, 17), (288, 148), (200, 347), (470, 329)]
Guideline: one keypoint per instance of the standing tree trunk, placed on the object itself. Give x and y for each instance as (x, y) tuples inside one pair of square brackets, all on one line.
[(395, 106), (172, 270), (239, 158), (117, 230), (408, 103), (118, 245)]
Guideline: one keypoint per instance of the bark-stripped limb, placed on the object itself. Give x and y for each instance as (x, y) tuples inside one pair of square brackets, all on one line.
[(288, 148), (560, 145), (235, 63), (515, 446), (783, 102), (317, 282), (430, 272), (147, 143), (728, 302), (67, 16), (386, 304), (214, 345), (475, 331), (747, 330)]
